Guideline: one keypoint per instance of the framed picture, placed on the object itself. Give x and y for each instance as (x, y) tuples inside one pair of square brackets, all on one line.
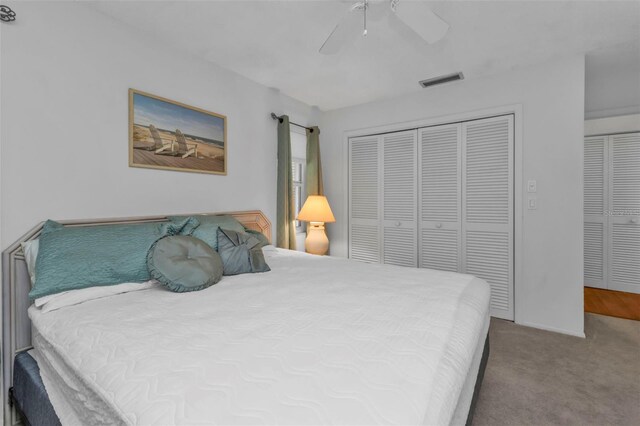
[(165, 134)]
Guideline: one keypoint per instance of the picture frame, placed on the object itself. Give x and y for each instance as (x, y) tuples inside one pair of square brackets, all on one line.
[(169, 135)]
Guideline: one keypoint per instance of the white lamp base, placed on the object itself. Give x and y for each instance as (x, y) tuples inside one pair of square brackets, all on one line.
[(317, 241)]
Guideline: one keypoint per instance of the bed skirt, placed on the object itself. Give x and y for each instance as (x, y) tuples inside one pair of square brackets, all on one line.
[(28, 395), (479, 379)]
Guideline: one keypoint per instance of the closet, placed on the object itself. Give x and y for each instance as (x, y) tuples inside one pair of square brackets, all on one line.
[(438, 197), (612, 212)]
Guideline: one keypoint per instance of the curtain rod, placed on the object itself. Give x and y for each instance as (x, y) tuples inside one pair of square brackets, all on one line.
[(275, 117)]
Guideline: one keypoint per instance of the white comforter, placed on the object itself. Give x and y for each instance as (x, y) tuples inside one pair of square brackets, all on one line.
[(315, 341)]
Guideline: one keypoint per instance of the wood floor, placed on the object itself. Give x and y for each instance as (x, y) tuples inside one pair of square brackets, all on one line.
[(612, 303)]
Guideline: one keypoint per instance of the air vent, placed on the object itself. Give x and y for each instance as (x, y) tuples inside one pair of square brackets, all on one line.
[(442, 79)]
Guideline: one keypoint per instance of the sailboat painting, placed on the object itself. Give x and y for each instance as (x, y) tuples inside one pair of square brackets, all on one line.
[(165, 134)]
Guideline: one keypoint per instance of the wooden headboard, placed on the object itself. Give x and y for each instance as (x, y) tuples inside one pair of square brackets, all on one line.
[(16, 284)]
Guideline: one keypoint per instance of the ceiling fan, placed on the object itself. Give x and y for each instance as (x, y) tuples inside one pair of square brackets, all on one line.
[(416, 15)]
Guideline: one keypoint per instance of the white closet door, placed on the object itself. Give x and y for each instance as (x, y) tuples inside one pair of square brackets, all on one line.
[(439, 197), (399, 246), (487, 207), (364, 200), (624, 206), (595, 205)]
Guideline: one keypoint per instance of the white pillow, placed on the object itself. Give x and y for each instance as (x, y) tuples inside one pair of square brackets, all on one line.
[(75, 297), (30, 250), (44, 299)]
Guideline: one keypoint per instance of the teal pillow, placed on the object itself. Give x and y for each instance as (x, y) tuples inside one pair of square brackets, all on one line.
[(264, 241), (183, 263), (74, 257), (207, 230), (240, 252)]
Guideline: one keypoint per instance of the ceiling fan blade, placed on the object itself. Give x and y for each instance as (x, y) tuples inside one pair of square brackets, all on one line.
[(419, 17), (344, 33)]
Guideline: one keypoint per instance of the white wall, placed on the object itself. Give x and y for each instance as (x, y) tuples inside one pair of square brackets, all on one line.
[(613, 81), (65, 73), (549, 292)]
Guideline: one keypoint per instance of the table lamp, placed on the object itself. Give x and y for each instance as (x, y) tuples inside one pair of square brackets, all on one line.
[(316, 211)]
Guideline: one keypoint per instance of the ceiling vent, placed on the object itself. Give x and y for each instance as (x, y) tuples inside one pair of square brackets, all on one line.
[(442, 79)]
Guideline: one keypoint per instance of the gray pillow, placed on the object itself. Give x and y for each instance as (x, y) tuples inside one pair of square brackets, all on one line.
[(182, 263), (240, 252), (207, 227), (264, 241)]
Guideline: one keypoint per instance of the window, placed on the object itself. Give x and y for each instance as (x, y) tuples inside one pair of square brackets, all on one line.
[(297, 166)]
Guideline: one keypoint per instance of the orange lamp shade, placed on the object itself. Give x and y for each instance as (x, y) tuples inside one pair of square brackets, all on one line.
[(316, 209)]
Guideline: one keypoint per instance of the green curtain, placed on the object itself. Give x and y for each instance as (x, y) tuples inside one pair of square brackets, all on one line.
[(314, 165), (285, 227)]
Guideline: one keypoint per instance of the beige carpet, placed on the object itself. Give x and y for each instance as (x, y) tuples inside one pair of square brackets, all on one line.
[(536, 377)]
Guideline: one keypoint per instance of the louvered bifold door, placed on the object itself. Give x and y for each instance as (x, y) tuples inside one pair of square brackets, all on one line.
[(624, 206), (399, 234), (439, 197), (364, 199), (595, 204), (487, 207)]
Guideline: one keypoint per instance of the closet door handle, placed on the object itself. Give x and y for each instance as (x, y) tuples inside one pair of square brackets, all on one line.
[(398, 223), (634, 220), (438, 225)]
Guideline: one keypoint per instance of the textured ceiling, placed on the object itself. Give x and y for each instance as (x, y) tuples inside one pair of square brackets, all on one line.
[(276, 42)]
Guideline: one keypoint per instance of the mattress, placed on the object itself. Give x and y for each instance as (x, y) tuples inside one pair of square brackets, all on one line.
[(317, 340)]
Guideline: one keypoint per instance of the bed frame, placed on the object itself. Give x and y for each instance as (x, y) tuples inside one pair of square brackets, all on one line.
[(16, 284)]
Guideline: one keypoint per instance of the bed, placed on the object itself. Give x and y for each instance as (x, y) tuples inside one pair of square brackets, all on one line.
[(318, 340)]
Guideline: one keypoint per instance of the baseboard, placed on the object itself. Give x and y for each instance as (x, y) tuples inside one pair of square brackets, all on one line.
[(627, 288), (553, 329)]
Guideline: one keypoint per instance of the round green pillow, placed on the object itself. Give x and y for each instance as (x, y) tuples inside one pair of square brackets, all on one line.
[(182, 263)]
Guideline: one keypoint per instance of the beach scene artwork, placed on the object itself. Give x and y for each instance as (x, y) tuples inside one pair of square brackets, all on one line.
[(164, 134)]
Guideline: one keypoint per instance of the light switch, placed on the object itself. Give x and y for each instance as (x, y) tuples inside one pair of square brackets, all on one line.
[(533, 203), (532, 186)]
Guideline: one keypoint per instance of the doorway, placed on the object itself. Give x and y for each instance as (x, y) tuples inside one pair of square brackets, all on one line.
[(612, 224)]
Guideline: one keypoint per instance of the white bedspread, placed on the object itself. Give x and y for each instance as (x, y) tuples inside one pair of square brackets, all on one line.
[(315, 341)]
